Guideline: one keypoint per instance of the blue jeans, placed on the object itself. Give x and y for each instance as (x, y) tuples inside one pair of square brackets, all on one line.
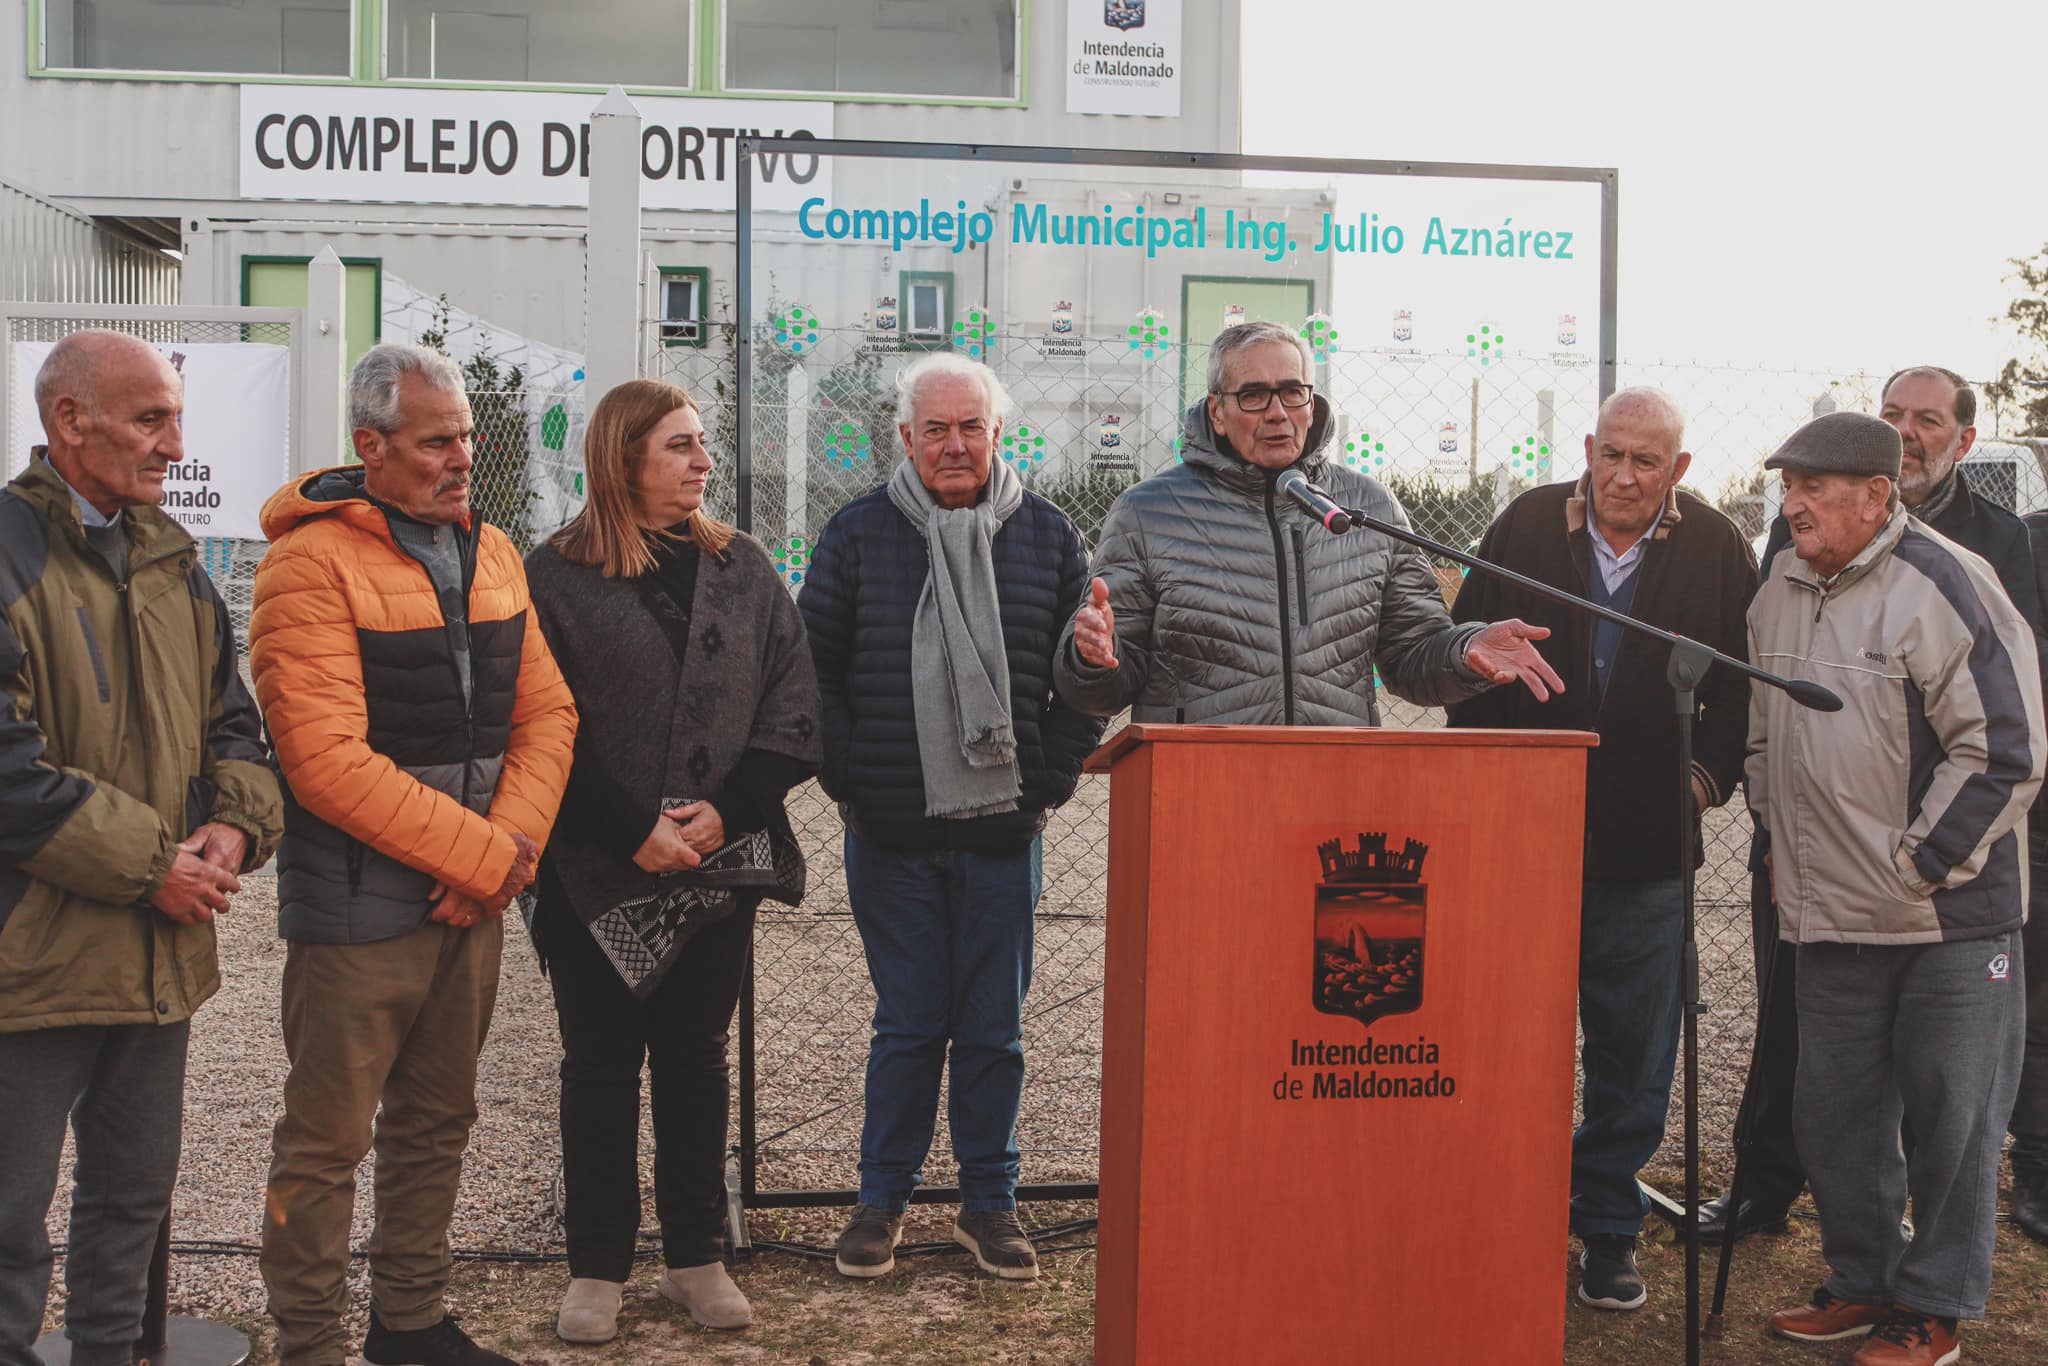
[(948, 941), (1631, 935)]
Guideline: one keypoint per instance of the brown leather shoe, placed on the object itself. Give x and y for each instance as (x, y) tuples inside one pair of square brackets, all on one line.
[(1908, 1337), (1826, 1317)]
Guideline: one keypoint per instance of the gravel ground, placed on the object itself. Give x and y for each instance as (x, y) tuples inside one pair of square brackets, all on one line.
[(813, 1008), (235, 1081)]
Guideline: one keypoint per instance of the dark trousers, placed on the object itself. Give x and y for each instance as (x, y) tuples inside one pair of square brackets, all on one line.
[(948, 941), (1926, 1035), (1771, 1174), (2030, 1111), (122, 1090), (679, 1031), (1630, 938)]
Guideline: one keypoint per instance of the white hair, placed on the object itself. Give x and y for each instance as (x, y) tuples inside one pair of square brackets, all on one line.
[(914, 376), (373, 385)]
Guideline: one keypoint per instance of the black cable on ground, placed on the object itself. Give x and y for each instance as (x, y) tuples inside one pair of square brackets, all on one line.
[(1044, 1239)]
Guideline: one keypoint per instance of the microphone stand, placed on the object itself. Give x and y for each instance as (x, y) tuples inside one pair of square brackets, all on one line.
[(1690, 661)]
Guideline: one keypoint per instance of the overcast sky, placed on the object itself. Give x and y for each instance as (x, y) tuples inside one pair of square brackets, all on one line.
[(1822, 186)]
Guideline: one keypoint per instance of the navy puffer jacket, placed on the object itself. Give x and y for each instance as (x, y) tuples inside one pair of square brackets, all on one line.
[(866, 573)]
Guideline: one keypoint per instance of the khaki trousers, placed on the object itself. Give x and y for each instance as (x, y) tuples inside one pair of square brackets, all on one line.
[(385, 1033)]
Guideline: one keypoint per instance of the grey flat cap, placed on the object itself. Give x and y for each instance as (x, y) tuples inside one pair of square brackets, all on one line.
[(1841, 443)]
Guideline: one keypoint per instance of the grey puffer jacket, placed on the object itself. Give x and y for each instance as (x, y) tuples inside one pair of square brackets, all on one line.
[(1232, 607)]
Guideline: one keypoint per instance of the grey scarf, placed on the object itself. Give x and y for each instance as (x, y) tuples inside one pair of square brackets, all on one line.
[(960, 675)]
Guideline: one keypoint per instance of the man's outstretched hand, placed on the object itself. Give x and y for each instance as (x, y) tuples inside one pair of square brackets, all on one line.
[(1095, 628), (1503, 652)]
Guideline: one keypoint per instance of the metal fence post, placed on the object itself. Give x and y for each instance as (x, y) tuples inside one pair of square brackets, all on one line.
[(611, 342), (323, 393)]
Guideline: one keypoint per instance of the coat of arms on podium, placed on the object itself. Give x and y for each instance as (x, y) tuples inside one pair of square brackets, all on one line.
[(1372, 914)]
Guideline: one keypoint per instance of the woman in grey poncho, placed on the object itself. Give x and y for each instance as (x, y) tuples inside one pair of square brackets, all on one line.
[(699, 712)]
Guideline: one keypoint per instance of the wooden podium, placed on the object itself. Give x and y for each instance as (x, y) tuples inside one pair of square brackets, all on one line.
[(1337, 1044)]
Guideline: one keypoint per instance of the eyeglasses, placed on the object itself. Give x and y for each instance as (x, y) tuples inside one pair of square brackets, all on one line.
[(1256, 398)]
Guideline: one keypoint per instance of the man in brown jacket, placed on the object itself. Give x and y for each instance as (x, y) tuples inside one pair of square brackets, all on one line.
[(132, 792)]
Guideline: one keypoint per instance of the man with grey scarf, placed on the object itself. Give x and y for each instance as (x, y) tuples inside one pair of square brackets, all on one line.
[(933, 608)]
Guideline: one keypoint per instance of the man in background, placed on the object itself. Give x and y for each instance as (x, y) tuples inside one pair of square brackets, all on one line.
[(1627, 537), (1934, 410), (1898, 872)]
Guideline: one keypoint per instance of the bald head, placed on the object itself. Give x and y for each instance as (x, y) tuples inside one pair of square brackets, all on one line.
[(1644, 405), (111, 407), (1634, 459), (82, 364)]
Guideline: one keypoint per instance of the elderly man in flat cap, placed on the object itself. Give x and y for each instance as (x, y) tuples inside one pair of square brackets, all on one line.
[(1899, 866)]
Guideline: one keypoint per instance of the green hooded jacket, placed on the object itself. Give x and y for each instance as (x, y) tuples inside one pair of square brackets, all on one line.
[(124, 725)]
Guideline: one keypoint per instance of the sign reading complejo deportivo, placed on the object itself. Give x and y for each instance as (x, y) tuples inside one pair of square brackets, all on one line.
[(530, 148)]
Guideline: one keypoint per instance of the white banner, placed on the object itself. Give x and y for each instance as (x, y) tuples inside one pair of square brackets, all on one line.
[(237, 431), (531, 148), (1124, 57)]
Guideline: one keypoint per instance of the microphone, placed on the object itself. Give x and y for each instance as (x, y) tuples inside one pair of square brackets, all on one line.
[(1816, 696), (1313, 500), (1813, 695)]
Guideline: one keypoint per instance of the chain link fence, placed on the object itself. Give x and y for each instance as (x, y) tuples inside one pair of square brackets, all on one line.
[(1456, 438)]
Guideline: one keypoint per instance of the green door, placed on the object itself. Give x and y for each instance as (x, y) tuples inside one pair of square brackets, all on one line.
[(1204, 299), (280, 282)]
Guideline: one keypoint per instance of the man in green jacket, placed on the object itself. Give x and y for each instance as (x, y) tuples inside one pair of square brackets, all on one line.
[(133, 790)]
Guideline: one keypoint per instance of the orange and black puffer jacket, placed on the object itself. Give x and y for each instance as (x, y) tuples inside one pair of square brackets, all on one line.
[(416, 725)]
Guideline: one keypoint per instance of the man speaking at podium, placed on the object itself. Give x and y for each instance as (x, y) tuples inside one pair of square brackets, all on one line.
[(1626, 536), (1217, 600)]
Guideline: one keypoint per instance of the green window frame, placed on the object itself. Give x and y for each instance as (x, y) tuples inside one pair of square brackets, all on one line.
[(37, 66), (379, 61), (700, 324), (715, 39), (906, 309), (368, 66)]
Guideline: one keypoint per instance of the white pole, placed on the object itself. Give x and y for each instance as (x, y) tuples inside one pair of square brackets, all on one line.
[(611, 340), (797, 456), (323, 390)]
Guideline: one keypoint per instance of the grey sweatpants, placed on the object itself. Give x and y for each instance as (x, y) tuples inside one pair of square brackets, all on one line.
[(122, 1087), (1931, 1033)]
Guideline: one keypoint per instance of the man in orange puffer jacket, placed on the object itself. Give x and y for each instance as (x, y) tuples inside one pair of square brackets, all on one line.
[(424, 735)]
